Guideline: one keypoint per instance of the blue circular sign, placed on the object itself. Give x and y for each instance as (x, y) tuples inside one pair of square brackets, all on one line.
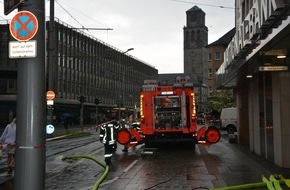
[(49, 129), (23, 26)]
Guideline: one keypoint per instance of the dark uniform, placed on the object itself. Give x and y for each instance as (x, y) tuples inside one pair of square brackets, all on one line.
[(108, 138)]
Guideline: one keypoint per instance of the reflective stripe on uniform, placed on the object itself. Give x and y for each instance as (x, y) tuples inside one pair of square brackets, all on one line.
[(112, 133), (108, 155)]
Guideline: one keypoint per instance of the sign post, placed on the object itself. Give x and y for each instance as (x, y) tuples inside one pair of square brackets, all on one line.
[(29, 24), (50, 95)]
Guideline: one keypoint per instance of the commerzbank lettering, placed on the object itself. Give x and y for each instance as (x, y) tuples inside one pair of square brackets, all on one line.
[(251, 27)]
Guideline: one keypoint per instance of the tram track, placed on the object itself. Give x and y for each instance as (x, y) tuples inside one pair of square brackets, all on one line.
[(69, 146)]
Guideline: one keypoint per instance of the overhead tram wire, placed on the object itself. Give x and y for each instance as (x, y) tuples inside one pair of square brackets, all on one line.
[(204, 4), (108, 28), (82, 27), (70, 15)]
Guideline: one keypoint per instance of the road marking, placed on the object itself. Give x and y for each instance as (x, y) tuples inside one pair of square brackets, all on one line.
[(87, 188), (125, 171), (110, 181), (130, 166)]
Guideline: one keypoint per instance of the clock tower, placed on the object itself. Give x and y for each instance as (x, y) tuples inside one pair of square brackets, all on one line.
[(195, 35)]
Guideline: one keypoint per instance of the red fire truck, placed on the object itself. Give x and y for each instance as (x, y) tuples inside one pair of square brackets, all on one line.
[(168, 114)]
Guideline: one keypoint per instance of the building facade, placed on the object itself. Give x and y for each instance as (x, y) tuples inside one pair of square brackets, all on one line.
[(82, 66), (257, 66), (195, 55), (215, 52)]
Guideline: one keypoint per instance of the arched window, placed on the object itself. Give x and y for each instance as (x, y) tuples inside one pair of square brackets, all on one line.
[(186, 36), (192, 35)]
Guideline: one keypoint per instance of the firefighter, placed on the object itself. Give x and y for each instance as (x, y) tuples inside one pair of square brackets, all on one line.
[(108, 138)]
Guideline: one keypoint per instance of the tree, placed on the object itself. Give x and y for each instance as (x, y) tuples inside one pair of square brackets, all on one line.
[(221, 99)]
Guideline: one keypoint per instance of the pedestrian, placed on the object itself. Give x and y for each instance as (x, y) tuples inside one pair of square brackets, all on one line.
[(108, 138), (9, 137)]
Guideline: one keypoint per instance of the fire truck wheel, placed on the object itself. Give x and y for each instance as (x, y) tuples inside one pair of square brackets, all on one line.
[(212, 135)]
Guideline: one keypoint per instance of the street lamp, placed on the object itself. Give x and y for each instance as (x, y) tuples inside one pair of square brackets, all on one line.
[(123, 80)]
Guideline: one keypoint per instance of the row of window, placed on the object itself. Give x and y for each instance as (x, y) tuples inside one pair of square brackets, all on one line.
[(217, 56)]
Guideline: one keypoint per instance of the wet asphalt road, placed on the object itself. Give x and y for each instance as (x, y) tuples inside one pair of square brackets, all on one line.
[(220, 165)]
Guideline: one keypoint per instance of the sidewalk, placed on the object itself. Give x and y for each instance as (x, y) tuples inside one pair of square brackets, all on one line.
[(61, 131)]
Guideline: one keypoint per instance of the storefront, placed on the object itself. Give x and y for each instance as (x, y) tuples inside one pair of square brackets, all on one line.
[(257, 66)]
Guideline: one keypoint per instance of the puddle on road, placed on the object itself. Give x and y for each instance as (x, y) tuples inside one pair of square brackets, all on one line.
[(7, 185)]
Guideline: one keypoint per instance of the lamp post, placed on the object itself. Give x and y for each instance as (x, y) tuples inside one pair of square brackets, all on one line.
[(123, 80), (82, 99), (97, 102)]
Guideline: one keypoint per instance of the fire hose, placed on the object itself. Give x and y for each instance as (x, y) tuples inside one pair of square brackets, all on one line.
[(273, 183), (106, 167)]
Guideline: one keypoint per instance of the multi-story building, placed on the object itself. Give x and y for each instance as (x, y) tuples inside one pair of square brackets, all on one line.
[(215, 57), (256, 65), (82, 65)]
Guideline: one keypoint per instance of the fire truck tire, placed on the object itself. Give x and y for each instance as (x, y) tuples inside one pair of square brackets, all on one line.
[(123, 136), (212, 135)]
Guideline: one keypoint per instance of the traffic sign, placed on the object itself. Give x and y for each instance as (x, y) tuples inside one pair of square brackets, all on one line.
[(50, 95), (22, 49), (49, 102), (49, 129), (273, 68), (10, 5), (23, 26)]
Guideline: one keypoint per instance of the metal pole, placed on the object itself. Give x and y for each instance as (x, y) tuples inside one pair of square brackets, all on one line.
[(97, 114), (119, 100), (119, 112), (123, 81), (123, 88), (51, 58), (82, 116), (31, 109)]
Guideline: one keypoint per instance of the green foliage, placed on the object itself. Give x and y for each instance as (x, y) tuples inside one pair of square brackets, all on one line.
[(221, 99)]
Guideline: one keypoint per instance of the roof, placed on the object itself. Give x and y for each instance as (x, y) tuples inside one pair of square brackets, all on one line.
[(225, 39), (195, 8)]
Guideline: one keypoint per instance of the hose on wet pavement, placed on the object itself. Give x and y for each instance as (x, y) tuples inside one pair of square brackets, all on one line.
[(273, 183), (106, 167)]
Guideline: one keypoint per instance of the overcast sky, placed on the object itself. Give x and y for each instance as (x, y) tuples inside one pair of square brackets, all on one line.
[(154, 28)]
